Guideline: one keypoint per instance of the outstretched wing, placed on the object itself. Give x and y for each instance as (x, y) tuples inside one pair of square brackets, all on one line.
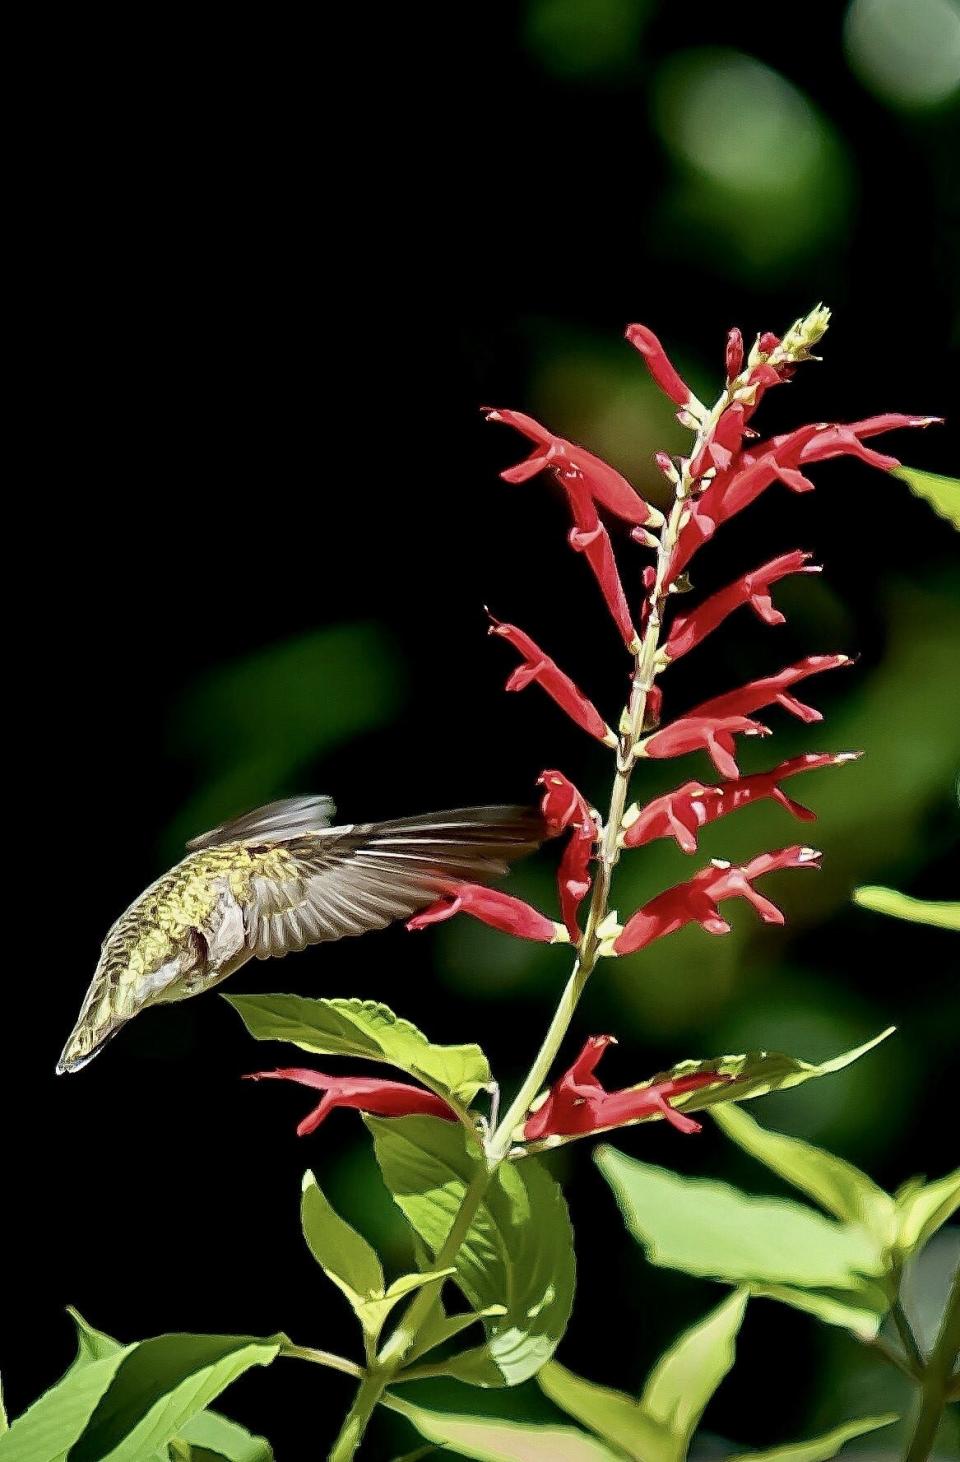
[(347, 880), (277, 822)]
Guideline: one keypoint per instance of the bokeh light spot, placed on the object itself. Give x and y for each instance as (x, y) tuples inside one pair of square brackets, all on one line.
[(906, 51), (584, 37), (758, 166)]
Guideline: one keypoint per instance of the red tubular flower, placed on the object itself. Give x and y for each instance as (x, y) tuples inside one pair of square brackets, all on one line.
[(589, 537), (689, 629), (570, 463), (723, 443), (577, 1104), (697, 900), (773, 688), (713, 734), (681, 814), (663, 372), (365, 1093), (564, 807), (539, 668), (500, 910), (752, 471)]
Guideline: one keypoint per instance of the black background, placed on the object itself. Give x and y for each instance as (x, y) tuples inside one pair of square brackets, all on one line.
[(267, 273)]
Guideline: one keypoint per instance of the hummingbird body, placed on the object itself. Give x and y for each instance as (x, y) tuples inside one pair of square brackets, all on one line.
[(277, 880)]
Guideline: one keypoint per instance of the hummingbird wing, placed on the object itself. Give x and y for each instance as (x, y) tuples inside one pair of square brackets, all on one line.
[(344, 881), (276, 822)]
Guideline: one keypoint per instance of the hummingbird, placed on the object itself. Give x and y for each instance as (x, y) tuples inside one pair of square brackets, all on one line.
[(276, 880)]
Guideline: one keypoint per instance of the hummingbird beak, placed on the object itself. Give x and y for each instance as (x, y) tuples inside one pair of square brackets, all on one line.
[(74, 1059)]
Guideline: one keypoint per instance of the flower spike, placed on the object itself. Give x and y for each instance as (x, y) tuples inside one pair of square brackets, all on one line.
[(540, 669), (697, 901)]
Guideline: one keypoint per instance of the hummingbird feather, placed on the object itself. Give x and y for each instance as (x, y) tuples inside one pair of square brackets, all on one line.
[(277, 880)]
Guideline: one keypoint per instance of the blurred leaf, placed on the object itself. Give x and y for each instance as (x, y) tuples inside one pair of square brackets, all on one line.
[(4, 1423), (757, 1073), (571, 39), (490, 1440), (820, 1449), (253, 725), (517, 1253), (926, 1209), (772, 1245), (225, 1438), (942, 493), (906, 51), (615, 1418), (417, 1454), (836, 1185), (368, 1030), (343, 1254), (928, 1276), (684, 1379), (943, 915), (158, 1385)]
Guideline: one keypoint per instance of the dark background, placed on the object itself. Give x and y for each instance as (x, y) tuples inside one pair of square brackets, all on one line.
[(268, 272)]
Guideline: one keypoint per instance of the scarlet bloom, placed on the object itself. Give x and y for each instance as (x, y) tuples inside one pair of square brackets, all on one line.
[(687, 630), (540, 669), (572, 464), (713, 734), (773, 689), (734, 354), (365, 1093), (577, 1104), (564, 807), (697, 901), (589, 537), (661, 369), (500, 910), (681, 814)]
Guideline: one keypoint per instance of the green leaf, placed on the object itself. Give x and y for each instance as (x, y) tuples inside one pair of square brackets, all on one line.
[(943, 915), (615, 1418), (4, 1423), (924, 1210), (92, 1344), (373, 1312), (716, 1231), (343, 1254), (225, 1438), (942, 493), (368, 1030), (860, 1311), (684, 1379), (47, 1430), (158, 1386), (519, 1249), (836, 1185), (487, 1439), (439, 1327), (820, 1449), (755, 1073)]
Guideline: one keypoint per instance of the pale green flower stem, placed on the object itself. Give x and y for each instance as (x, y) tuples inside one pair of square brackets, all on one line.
[(936, 1380)]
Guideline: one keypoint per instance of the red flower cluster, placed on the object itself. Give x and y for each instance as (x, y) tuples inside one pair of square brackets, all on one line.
[(728, 470), (578, 1105)]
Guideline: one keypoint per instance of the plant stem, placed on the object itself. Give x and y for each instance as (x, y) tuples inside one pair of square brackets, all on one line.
[(364, 1403), (935, 1383), (322, 1358), (907, 1337)]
